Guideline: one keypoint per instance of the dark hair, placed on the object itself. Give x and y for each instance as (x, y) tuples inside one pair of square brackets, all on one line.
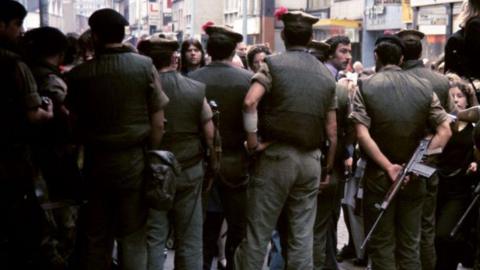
[(114, 34), (335, 41), (160, 58), (466, 89), (254, 51), (44, 42), (388, 53), (11, 10), (413, 49), (71, 53), (183, 51), (220, 46), (297, 35)]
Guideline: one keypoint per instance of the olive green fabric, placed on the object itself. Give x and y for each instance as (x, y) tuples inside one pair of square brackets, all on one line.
[(183, 114), (284, 179), (113, 97), (398, 106), (294, 109), (438, 81), (395, 242)]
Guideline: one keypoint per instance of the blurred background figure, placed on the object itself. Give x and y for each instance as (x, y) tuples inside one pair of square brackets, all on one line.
[(241, 51), (256, 55), (192, 56)]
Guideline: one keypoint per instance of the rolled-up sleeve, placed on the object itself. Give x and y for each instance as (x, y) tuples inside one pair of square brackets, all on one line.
[(263, 77), (437, 115), (359, 114)]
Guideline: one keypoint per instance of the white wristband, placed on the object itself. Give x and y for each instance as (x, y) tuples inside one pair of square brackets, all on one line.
[(250, 121)]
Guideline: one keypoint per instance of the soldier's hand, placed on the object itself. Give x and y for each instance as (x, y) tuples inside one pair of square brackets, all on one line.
[(348, 164), (393, 171), (472, 168)]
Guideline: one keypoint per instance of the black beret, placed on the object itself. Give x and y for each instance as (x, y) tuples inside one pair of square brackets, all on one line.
[(391, 39), (10, 10), (218, 31), (45, 41), (102, 19), (410, 34), (299, 17), (295, 19)]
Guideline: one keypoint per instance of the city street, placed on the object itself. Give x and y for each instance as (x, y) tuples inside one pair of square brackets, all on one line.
[(342, 240)]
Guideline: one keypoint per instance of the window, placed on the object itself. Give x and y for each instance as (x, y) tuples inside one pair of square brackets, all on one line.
[(380, 2), (318, 4)]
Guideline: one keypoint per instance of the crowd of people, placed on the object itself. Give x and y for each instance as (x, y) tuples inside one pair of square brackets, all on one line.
[(270, 148)]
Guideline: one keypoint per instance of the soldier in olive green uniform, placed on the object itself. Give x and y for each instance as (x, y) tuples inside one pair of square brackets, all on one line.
[(118, 104), (295, 117), (326, 202), (227, 86), (189, 117), (412, 63), (392, 110)]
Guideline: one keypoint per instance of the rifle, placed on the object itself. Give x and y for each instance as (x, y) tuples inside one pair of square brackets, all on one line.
[(217, 140), (416, 166), (476, 192), (216, 155)]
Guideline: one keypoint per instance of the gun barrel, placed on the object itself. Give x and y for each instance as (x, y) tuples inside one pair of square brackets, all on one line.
[(369, 235), (464, 216)]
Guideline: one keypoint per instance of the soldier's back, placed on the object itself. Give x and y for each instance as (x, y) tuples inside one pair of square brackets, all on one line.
[(228, 86), (439, 82)]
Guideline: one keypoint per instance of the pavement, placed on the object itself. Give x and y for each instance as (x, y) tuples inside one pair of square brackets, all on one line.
[(342, 240)]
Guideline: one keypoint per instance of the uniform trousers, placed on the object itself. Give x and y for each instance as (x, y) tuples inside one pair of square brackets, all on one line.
[(187, 221), (285, 178), (116, 209), (323, 247), (395, 242)]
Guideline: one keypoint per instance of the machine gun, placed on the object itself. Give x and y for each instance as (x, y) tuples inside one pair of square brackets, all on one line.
[(476, 192), (416, 166)]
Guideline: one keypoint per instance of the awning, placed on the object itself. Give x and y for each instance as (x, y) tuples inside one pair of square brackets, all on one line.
[(322, 23)]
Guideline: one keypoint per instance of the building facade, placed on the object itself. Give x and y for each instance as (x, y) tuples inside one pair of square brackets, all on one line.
[(381, 16), (437, 19), (188, 16)]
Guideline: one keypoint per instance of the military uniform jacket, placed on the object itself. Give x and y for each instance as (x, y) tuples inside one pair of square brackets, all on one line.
[(300, 92), (397, 108), (228, 86), (183, 114), (439, 82), (112, 97)]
